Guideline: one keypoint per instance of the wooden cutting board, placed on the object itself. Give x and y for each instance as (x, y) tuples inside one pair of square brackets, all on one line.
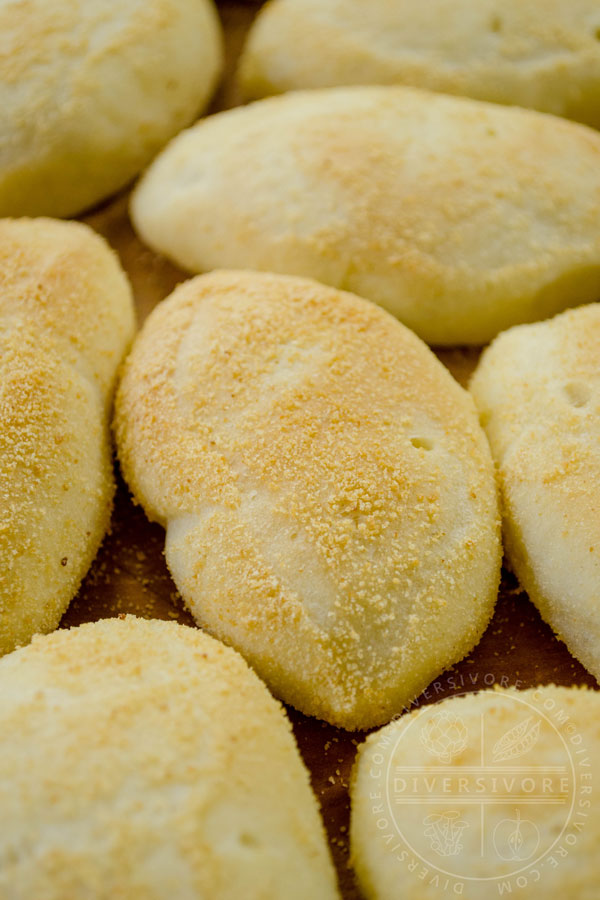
[(130, 575)]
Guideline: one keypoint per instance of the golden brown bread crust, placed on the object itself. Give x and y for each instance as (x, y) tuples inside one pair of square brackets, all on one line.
[(66, 318), (92, 90), (542, 54), (461, 218), (538, 391), (142, 760), (328, 494)]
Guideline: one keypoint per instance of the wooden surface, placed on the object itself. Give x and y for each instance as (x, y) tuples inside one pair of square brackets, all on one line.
[(130, 574)]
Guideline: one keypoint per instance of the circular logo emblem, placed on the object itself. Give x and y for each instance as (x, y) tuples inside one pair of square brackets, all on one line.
[(491, 796)]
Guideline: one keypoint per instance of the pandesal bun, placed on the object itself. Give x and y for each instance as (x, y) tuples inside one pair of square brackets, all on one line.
[(66, 319), (479, 796), (461, 218), (537, 388), (327, 491), (91, 90), (542, 54), (144, 760)]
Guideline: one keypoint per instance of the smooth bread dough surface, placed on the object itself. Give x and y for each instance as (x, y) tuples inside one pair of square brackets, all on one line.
[(543, 54), (327, 490), (144, 760), (538, 391), (461, 218), (91, 91), (506, 748), (66, 319)]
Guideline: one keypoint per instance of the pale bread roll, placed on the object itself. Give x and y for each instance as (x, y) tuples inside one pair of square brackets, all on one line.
[(544, 54), (91, 90), (328, 494), (144, 760), (66, 319), (506, 748), (461, 218), (538, 391)]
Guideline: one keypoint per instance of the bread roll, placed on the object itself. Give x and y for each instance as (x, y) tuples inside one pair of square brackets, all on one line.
[(538, 391), (91, 90), (328, 494), (142, 759), (485, 795), (543, 54), (461, 218), (66, 318)]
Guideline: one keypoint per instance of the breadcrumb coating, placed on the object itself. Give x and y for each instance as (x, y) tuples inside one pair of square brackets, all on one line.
[(461, 218), (538, 391), (328, 494), (143, 760), (92, 90), (66, 319), (542, 54)]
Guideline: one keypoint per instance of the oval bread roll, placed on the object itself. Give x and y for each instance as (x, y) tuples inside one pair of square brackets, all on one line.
[(538, 390), (328, 494), (481, 796), (66, 318), (461, 218), (143, 759), (91, 90), (543, 54)]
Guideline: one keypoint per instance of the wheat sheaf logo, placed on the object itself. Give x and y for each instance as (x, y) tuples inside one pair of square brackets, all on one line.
[(445, 736)]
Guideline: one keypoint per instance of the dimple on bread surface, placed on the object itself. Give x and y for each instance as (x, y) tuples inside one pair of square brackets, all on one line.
[(538, 391), (66, 319), (327, 491), (144, 760), (542, 54), (91, 90), (461, 218)]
